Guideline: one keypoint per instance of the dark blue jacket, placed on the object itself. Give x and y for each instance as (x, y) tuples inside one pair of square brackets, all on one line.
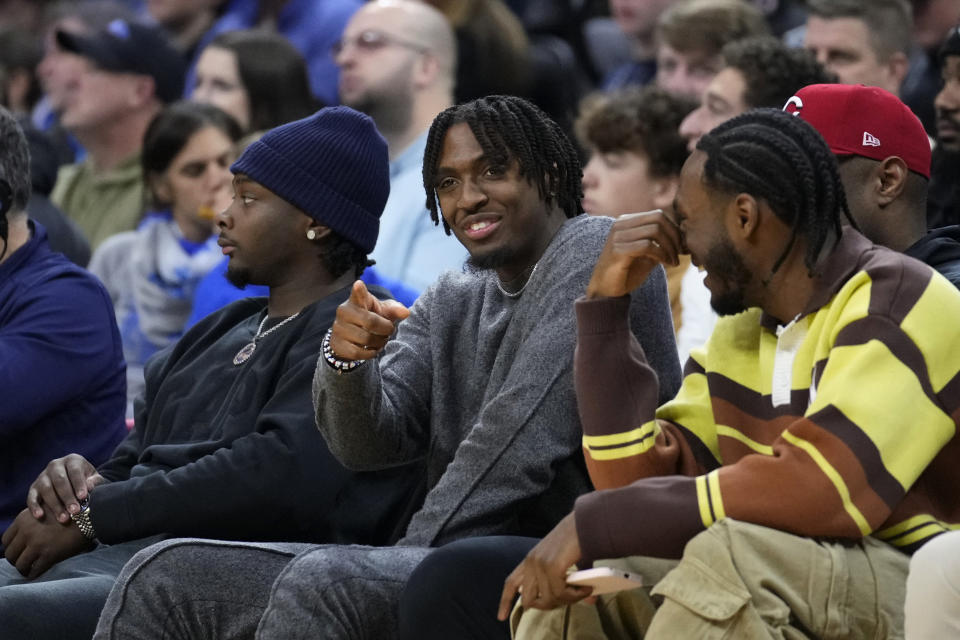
[(62, 381), (940, 249)]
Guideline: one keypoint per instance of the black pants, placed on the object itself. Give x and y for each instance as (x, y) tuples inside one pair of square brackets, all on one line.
[(455, 592)]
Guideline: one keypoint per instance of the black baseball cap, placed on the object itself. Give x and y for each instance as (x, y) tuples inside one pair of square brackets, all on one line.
[(131, 47)]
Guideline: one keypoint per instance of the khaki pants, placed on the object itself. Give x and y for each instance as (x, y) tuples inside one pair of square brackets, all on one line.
[(743, 581)]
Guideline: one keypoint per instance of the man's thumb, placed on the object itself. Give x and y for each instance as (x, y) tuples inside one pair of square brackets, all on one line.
[(361, 297)]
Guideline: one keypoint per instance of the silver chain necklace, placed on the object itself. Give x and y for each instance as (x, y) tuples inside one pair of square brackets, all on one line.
[(516, 294), (244, 354)]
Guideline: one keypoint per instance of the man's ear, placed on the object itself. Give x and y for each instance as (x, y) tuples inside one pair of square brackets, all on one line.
[(742, 217), (897, 66), (426, 70), (664, 191), (318, 229), (143, 90), (890, 179)]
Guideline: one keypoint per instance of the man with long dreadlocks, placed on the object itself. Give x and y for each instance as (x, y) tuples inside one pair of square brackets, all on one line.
[(812, 445), (476, 382)]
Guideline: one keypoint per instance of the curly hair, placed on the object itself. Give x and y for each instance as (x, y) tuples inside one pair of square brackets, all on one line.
[(340, 255), (511, 128), (785, 162), (772, 71), (644, 121)]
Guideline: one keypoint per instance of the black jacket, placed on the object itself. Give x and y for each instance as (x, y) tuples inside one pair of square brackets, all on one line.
[(231, 451), (940, 249), (943, 197)]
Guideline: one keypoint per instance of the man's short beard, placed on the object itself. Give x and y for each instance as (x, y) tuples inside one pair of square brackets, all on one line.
[(726, 266), (491, 260), (390, 108), (952, 118), (238, 276)]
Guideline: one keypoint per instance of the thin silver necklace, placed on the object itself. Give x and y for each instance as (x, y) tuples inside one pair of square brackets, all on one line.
[(244, 354), (516, 294)]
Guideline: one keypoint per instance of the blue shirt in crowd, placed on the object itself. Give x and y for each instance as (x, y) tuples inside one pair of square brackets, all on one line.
[(410, 247)]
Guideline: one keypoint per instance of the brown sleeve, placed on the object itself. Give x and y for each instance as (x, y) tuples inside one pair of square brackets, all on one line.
[(617, 396)]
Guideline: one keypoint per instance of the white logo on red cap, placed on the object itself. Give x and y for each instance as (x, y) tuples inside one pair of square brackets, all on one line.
[(794, 106), (870, 140)]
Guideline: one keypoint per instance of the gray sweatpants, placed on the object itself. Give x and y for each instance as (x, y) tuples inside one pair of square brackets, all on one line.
[(189, 588)]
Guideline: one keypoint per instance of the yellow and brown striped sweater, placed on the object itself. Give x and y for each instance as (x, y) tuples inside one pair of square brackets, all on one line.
[(841, 424)]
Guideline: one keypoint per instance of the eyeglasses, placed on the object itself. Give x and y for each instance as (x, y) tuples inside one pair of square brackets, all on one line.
[(372, 40)]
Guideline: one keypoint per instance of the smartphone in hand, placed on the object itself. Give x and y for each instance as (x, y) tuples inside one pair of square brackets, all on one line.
[(605, 580)]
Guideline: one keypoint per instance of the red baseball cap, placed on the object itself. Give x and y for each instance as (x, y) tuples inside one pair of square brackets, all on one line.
[(856, 120)]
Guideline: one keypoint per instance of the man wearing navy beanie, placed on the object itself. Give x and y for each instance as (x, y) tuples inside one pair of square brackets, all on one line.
[(224, 444), (329, 166)]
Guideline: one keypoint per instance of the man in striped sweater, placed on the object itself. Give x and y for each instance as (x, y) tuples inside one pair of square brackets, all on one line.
[(812, 445)]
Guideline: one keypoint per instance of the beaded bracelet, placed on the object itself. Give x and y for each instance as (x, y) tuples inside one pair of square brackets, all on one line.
[(334, 360)]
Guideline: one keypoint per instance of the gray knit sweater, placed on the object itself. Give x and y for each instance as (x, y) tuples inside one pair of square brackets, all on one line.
[(480, 387)]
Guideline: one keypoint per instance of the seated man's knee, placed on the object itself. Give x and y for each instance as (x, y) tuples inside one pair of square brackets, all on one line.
[(454, 592), (155, 561), (443, 571), (937, 556), (932, 607), (438, 572)]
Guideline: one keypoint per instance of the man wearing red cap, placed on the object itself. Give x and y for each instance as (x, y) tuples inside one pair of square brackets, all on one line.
[(884, 158)]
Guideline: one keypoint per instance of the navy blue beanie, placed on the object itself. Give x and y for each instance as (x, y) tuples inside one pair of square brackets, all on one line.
[(333, 166)]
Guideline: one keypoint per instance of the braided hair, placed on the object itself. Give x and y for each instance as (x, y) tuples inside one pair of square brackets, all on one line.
[(783, 160), (508, 127)]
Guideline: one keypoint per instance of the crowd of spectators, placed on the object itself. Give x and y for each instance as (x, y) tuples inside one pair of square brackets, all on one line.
[(302, 289)]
